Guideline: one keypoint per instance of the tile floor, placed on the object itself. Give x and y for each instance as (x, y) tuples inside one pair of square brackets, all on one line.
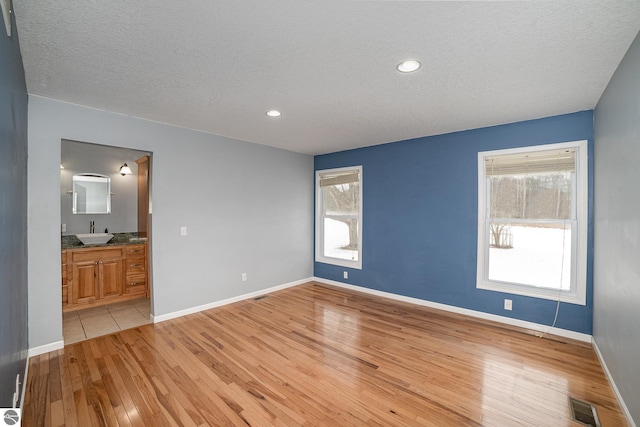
[(96, 321)]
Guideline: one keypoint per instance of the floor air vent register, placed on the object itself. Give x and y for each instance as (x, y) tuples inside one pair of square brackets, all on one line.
[(584, 412)]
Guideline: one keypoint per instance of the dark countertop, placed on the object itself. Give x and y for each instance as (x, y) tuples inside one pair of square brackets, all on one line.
[(119, 239)]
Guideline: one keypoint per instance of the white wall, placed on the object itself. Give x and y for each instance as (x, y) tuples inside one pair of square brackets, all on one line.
[(79, 157), (616, 319), (248, 208)]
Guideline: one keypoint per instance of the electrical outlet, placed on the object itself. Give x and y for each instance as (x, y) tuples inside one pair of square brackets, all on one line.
[(64, 228), (345, 275), (508, 304), (244, 277), (183, 231)]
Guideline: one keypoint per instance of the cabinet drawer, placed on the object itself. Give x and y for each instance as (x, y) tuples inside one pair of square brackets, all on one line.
[(135, 265), (137, 281), (134, 251), (96, 254)]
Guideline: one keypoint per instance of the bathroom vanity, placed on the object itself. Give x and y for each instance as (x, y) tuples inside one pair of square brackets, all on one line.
[(103, 274)]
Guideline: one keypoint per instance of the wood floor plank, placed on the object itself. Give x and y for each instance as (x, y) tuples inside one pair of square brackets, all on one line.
[(317, 355), (125, 408), (70, 412)]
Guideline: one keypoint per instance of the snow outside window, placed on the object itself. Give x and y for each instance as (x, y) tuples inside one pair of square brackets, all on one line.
[(339, 216), (532, 221)]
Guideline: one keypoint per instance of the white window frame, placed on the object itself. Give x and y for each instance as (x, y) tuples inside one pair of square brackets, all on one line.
[(320, 222), (578, 291)]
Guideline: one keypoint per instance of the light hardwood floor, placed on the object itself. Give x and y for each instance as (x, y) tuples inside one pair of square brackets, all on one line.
[(319, 356)]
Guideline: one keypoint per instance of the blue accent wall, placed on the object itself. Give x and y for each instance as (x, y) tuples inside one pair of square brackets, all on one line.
[(420, 208), (13, 215)]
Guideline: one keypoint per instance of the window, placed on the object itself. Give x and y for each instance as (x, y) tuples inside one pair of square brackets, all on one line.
[(339, 216), (532, 221)]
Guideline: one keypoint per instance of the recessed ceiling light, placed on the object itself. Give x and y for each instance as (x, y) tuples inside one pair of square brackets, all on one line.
[(408, 66), (273, 113)]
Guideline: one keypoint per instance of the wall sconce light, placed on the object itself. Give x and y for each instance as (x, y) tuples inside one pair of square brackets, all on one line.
[(125, 170)]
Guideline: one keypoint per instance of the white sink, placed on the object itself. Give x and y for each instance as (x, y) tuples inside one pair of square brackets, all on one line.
[(94, 238)]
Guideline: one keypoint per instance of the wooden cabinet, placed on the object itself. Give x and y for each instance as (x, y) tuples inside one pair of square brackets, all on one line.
[(136, 270), (102, 275), (65, 279), (97, 274)]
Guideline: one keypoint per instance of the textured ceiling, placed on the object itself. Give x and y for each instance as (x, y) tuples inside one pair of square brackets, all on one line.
[(217, 66)]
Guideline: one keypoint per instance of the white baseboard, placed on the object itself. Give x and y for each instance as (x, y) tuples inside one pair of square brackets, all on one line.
[(35, 351), (613, 384), (173, 315), (453, 309)]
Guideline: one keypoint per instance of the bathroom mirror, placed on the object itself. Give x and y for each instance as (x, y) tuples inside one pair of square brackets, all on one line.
[(91, 194)]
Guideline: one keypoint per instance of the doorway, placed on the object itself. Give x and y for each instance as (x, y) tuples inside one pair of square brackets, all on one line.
[(106, 287)]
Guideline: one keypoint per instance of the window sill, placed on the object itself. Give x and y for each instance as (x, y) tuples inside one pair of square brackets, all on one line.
[(357, 265), (533, 292)]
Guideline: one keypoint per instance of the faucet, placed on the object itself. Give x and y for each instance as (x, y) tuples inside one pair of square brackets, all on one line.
[(92, 226)]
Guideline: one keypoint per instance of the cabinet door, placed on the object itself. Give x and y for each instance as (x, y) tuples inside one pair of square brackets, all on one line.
[(111, 277), (85, 282)]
